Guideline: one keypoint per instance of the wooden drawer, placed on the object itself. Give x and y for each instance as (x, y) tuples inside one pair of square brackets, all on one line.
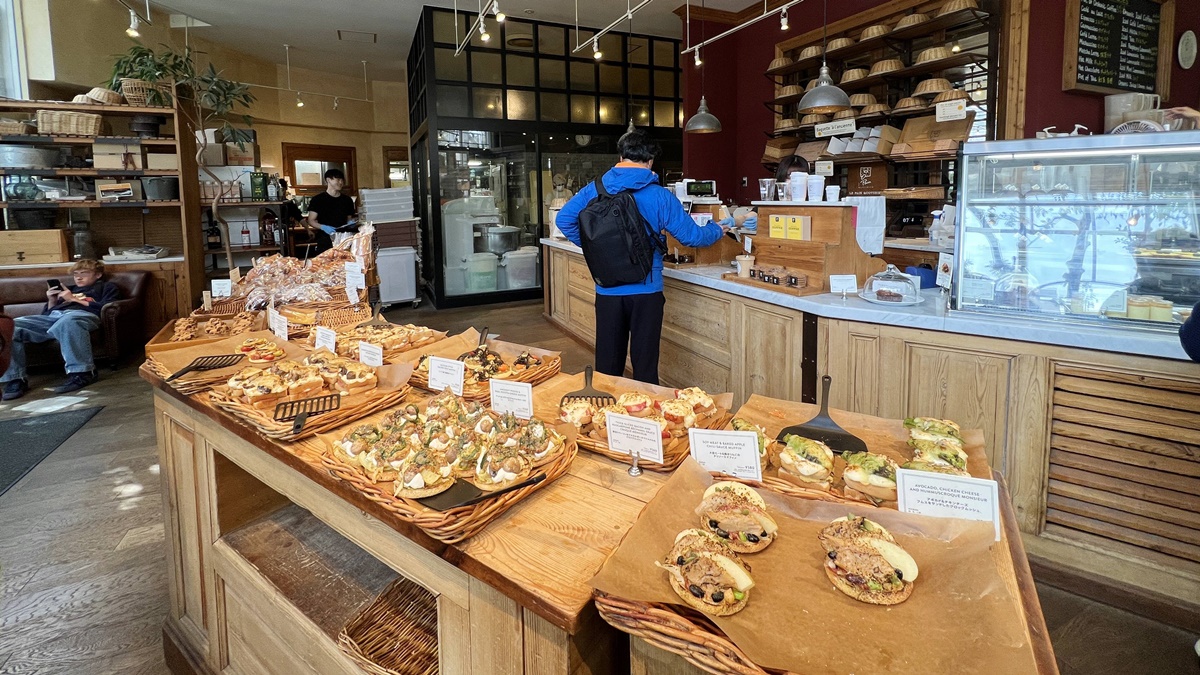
[(583, 314), (578, 275), (23, 247)]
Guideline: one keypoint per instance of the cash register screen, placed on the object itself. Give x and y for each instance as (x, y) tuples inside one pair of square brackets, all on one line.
[(702, 188)]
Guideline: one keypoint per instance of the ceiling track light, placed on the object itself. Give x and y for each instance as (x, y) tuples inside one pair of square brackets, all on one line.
[(596, 53), (299, 101), (336, 102), (767, 13), (132, 31), (697, 55), (783, 20), (500, 16), (483, 34), (956, 47)]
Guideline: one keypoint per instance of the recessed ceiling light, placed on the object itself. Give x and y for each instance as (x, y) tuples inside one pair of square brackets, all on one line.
[(530, 12), (356, 36)]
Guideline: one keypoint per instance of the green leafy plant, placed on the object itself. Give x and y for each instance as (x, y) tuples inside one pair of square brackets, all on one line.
[(204, 98)]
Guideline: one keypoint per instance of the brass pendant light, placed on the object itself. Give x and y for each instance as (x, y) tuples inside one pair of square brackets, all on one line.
[(826, 98), (703, 122)]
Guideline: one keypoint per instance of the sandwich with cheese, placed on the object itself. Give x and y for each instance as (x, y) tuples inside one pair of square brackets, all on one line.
[(805, 462), (679, 416), (738, 515), (871, 475), (539, 443), (702, 403), (500, 466), (922, 465), (383, 461), (936, 426), (740, 424), (938, 449), (577, 412), (863, 560), (425, 473), (636, 404), (706, 575), (358, 441)]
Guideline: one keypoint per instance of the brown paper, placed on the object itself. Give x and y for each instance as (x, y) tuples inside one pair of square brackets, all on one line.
[(175, 360), (457, 345), (548, 395), (162, 340), (963, 616)]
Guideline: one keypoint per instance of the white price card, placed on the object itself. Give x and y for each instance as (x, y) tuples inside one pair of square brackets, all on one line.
[(326, 339), (235, 275), (222, 288), (843, 283), (942, 496), (352, 294), (747, 242), (837, 128), (355, 279), (354, 268), (824, 168), (634, 435), (278, 324), (512, 397), (1117, 302), (983, 290), (945, 269), (951, 110), (206, 301), (370, 354), (734, 453), (446, 374)]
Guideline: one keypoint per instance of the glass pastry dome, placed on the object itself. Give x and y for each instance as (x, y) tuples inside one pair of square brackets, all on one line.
[(891, 285)]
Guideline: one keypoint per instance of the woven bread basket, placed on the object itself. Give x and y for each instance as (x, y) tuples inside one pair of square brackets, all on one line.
[(137, 92), (957, 6), (82, 98), (932, 87), (950, 95), (933, 54), (786, 124), (105, 96), (811, 120), (886, 66), (396, 634), (781, 62), (875, 31), (911, 20), (68, 123), (847, 114), (812, 84), (11, 126), (809, 52), (910, 104), (862, 100), (876, 109), (853, 74), (791, 90), (840, 43)]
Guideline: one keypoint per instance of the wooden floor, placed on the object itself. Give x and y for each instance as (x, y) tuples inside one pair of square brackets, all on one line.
[(83, 575)]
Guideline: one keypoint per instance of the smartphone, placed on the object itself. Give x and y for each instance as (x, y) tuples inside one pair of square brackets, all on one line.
[(54, 284)]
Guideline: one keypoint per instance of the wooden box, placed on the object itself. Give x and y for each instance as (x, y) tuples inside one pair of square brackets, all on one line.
[(833, 248), (867, 179), (18, 247), (162, 161)]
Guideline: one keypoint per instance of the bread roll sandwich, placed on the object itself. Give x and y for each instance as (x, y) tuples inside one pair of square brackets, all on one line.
[(679, 416), (935, 448), (870, 475), (636, 404), (863, 560), (425, 473), (740, 424), (738, 515), (578, 412), (706, 575), (936, 426), (922, 465), (702, 403), (805, 462)]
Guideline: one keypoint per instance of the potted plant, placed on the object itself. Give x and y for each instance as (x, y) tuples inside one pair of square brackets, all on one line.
[(133, 74), (202, 98)]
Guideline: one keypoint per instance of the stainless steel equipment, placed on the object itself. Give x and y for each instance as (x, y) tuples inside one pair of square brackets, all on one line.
[(26, 157), (496, 238)]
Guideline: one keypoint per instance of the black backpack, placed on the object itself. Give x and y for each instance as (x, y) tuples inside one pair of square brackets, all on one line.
[(617, 241)]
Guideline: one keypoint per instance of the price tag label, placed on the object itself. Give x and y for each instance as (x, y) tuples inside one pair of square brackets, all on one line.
[(730, 452), (370, 354), (278, 324), (843, 283), (355, 280), (512, 397), (824, 168), (1117, 302), (746, 242), (951, 110), (634, 435), (836, 128), (942, 496), (446, 374), (222, 288), (206, 301), (235, 275), (326, 339), (979, 289), (945, 269), (354, 268), (352, 295)]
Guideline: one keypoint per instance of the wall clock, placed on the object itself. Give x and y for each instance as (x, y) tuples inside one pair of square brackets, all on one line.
[(1187, 50)]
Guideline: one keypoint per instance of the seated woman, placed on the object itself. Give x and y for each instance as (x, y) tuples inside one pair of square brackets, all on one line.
[(69, 317)]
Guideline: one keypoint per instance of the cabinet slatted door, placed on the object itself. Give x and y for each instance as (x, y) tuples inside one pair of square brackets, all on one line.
[(1134, 491), (695, 338)]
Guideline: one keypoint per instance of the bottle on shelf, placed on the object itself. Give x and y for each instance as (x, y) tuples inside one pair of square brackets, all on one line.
[(214, 236), (273, 188), (266, 228), (245, 234)]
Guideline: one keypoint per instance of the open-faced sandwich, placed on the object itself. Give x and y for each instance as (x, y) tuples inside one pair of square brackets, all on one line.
[(738, 515), (636, 404), (679, 416), (577, 412), (863, 560), (706, 575), (935, 448), (383, 461), (600, 421), (356, 442), (425, 473), (525, 361), (871, 475), (500, 466), (409, 414), (250, 344), (805, 462), (764, 443), (463, 454), (266, 352), (243, 378), (702, 403), (355, 378), (538, 442), (264, 391)]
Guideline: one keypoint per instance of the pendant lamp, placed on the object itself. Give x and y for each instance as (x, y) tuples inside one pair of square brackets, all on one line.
[(826, 98), (703, 122)]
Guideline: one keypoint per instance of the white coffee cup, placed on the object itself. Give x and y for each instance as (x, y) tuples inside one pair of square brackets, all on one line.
[(816, 188), (744, 263), (798, 183), (832, 192)]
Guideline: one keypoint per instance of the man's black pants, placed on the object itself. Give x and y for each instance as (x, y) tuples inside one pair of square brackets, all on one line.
[(629, 324)]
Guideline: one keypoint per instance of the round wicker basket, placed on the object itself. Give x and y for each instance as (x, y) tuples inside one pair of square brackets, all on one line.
[(104, 96), (809, 52), (791, 90), (886, 66), (932, 87), (781, 62), (910, 104), (875, 31), (848, 114), (853, 74), (912, 20), (840, 43), (812, 120), (933, 54), (876, 109), (957, 6), (950, 95), (862, 100)]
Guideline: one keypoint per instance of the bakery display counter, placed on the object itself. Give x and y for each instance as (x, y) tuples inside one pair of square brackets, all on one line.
[(912, 252)]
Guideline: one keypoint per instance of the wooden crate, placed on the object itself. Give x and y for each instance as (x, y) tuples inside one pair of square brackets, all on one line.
[(833, 248), (33, 246)]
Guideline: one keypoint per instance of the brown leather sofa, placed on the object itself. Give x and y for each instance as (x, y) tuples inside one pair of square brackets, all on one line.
[(120, 321)]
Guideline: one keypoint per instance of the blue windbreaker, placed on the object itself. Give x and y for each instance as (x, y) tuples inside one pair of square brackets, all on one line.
[(659, 207)]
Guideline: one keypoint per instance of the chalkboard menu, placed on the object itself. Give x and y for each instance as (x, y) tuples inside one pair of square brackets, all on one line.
[(1114, 45)]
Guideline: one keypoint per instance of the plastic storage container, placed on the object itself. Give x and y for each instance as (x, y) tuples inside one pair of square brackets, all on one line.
[(520, 267), (397, 269), (481, 272)]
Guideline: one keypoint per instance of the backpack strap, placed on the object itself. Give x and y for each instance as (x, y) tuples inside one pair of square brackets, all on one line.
[(600, 191)]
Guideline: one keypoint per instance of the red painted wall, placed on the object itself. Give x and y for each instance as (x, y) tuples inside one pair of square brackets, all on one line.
[(736, 87)]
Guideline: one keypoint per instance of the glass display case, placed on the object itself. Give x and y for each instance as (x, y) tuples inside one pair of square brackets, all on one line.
[(1088, 228)]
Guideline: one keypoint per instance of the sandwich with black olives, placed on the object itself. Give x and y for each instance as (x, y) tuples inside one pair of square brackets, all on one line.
[(738, 515), (863, 560), (706, 575)]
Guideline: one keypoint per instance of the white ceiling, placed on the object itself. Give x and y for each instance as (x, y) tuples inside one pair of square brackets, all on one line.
[(262, 27)]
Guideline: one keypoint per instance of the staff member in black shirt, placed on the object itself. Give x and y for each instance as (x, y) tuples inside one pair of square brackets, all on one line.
[(331, 211)]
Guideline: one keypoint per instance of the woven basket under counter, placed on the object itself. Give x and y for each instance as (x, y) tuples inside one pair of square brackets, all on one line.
[(68, 123), (396, 634)]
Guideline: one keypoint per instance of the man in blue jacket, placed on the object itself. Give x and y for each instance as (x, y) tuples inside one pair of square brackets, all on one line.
[(629, 318)]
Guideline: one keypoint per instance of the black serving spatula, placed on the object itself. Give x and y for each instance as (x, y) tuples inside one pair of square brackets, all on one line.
[(299, 411), (463, 493), (208, 363), (823, 428), (597, 398)]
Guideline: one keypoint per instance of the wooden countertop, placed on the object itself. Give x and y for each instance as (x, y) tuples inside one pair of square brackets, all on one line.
[(541, 553)]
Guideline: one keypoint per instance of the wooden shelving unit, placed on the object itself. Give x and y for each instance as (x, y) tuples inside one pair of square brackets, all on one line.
[(176, 285)]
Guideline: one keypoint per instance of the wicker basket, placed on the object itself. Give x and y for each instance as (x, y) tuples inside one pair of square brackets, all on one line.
[(8, 126), (104, 96), (840, 43), (957, 6), (809, 53), (910, 104), (862, 100), (136, 91), (847, 114), (781, 62), (950, 95), (853, 75), (932, 87), (813, 120), (812, 84), (933, 54), (68, 123), (791, 90), (877, 109), (886, 66), (871, 32), (911, 20), (396, 634), (263, 421)]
